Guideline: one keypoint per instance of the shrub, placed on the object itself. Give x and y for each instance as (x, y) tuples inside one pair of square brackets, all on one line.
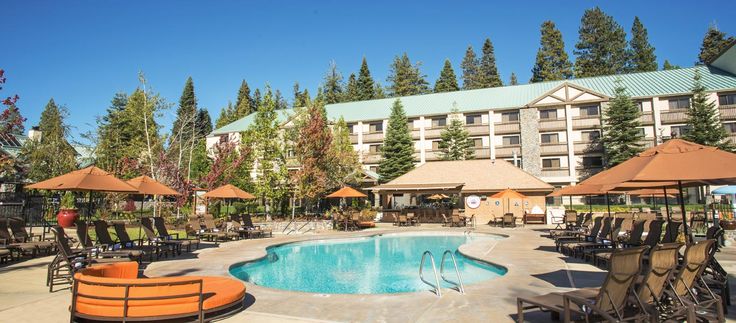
[(68, 201)]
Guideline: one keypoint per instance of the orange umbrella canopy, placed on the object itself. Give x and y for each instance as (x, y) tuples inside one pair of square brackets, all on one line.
[(508, 194), (347, 191), (149, 186), (656, 192), (674, 160), (87, 179), (228, 192)]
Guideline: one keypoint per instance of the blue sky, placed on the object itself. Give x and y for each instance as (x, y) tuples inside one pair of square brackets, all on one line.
[(82, 52)]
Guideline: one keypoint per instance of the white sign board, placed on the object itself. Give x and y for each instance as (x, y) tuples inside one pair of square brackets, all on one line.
[(472, 201)]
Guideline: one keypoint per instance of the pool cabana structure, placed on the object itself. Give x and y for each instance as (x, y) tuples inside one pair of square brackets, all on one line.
[(467, 179)]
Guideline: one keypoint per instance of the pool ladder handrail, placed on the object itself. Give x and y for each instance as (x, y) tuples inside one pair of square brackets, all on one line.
[(459, 284), (437, 287)]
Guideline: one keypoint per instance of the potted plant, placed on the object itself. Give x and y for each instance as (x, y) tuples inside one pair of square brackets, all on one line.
[(68, 213)]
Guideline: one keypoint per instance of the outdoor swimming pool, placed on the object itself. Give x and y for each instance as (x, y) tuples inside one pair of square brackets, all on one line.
[(367, 265)]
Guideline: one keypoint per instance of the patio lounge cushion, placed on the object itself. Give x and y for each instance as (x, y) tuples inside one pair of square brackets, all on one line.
[(218, 292)]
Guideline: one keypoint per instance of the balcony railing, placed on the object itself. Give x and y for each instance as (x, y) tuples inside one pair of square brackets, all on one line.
[(732, 137), (353, 138), (482, 152), (504, 128), (586, 147), (676, 116), (508, 151), (432, 133), (555, 172), (647, 143), (477, 130), (433, 155), (553, 149), (646, 118), (371, 158), (554, 124), (586, 122), (728, 112), (373, 137)]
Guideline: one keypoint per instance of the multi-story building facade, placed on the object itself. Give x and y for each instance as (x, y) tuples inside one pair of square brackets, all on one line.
[(550, 129)]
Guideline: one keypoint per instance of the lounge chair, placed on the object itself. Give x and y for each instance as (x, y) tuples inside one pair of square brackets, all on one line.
[(87, 245), (248, 223), (691, 295), (571, 220), (663, 261), (113, 292), (632, 238), (588, 235), (9, 242), (5, 255), (605, 242), (108, 243), (403, 221), (163, 233), (18, 228), (509, 220), (174, 246), (583, 223), (569, 247), (671, 232), (610, 302), (215, 233), (652, 239)]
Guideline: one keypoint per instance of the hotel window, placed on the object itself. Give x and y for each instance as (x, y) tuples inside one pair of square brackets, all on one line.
[(518, 162), (223, 138), (679, 103), (373, 169), (410, 124), (589, 111), (550, 138), (641, 132), (376, 127), (439, 122), (510, 116), (727, 99), (477, 142), (678, 131), (290, 153), (595, 161), (548, 114), (472, 119), (436, 145), (590, 136), (730, 127), (374, 149), (511, 140), (351, 128), (550, 163), (640, 105)]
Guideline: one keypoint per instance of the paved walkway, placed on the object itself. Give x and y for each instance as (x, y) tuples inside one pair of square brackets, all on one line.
[(534, 268)]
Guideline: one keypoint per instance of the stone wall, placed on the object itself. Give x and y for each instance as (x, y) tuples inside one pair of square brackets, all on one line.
[(530, 154)]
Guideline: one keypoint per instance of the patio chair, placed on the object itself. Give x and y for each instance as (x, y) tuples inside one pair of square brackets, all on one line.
[(174, 246), (663, 261), (671, 232), (213, 232), (610, 302), (9, 242), (584, 221), (403, 220), (5, 255), (604, 242), (653, 237), (163, 233), (691, 295), (632, 239), (445, 221), (457, 221), (571, 220), (580, 236), (715, 275), (508, 220), (248, 222), (105, 240), (18, 228), (87, 245), (571, 247)]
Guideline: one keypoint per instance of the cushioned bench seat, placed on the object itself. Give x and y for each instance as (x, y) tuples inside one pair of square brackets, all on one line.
[(100, 294)]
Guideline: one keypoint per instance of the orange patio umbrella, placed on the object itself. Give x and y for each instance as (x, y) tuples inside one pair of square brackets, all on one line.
[(654, 192), (508, 194), (90, 179), (149, 186), (347, 191), (228, 192), (676, 160)]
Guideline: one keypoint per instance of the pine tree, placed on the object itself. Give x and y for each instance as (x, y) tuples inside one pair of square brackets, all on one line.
[(714, 42), (447, 82), (667, 66), (405, 78), (601, 48), (257, 99), (185, 115), (552, 62), (456, 143), (351, 90), (281, 103), (227, 116), (332, 88), (112, 137), (378, 91), (244, 103), (301, 98), (703, 122), (398, 148), (52, 155), (204, 123), (366, 85), (487, 71), (621, 134), (641, 53), (470, 69), (513, 80), (345, 165)]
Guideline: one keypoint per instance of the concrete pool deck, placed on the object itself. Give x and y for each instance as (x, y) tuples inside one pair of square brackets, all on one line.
[(534, 267)]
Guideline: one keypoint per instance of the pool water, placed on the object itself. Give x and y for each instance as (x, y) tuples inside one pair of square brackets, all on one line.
[(369, 265)]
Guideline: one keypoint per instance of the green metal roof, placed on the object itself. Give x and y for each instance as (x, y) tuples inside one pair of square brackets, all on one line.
[(644, 84)]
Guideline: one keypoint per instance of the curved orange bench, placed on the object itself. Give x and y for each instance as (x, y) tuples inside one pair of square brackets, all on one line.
[(113, 292)]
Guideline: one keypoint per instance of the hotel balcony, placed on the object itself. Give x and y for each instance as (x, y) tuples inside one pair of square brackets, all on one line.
[(433, 133), (478, 130), (732, 137), (553, 149), (646, 118), (587, 147), (728, 112), (432, 155), (373, 137), (371, 158), (508, 151), (353, 138), (586, 122), (506, 128), (674, 116), (556, 172), (482, 153), (647, 143), (553, 124)]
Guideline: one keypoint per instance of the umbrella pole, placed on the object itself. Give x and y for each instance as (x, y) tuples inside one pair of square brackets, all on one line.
[(89, 205), (688, 237), (608, 206), (590, 205), (140, 216), (570, 199), (667, 205)]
